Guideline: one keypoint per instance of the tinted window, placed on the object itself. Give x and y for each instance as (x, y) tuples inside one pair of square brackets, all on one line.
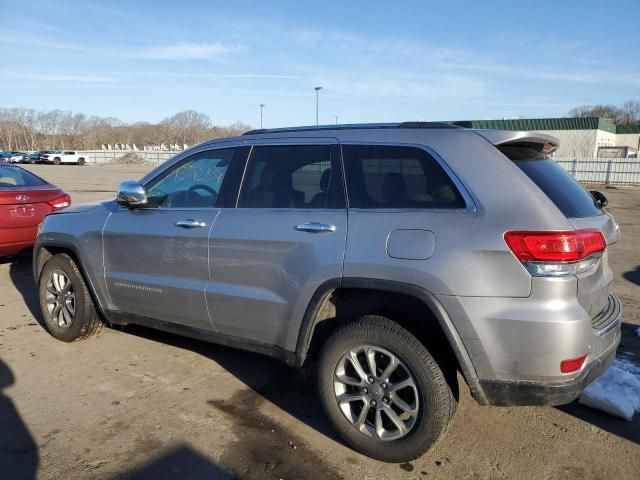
[(292, 176), (397, 177), (563, 190), (16, 177), (193, 183)]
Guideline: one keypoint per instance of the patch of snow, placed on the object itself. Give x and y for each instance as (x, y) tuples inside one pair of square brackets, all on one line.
[(617, 391)]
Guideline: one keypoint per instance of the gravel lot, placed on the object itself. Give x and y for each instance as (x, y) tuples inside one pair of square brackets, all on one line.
[(145, 404)]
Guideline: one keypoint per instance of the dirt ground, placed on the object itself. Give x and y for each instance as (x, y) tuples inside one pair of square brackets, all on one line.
[(144, 404)]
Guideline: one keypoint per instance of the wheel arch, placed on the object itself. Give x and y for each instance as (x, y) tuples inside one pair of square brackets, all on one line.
[(323, 306)]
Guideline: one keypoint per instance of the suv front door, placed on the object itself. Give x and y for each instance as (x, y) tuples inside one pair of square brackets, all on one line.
[(284, 240), (156, 257)]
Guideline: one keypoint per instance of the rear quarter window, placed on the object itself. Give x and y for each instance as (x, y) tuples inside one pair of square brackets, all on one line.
[(571, 198), (16, 177), (381, 176)]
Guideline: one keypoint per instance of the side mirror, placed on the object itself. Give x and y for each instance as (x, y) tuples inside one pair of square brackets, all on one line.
[(600, 198), (131, 194)]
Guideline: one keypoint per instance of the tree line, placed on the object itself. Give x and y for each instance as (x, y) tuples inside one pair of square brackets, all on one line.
[(626, 114), (29, 129)]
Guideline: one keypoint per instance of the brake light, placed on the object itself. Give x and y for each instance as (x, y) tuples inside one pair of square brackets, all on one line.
[(570, 246), (557, 253), (60, 202), (572, 364)]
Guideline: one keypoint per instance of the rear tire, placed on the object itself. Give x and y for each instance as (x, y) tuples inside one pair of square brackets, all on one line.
[(56, 161), (81, 161), (66, 304), (411, 418)]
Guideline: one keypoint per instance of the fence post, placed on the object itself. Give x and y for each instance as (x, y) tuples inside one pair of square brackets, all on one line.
[(607, 180), (574, 167)]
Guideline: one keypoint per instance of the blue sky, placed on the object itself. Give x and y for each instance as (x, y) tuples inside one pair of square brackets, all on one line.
[(377, 61)]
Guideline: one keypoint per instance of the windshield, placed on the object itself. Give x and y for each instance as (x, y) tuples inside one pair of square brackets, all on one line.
[(16, 177)]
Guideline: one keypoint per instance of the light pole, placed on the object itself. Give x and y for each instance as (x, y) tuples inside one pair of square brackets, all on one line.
[(262, 105), (336, 117), (317, 89)]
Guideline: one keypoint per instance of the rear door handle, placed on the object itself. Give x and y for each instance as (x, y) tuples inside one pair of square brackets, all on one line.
[(189, 223), (314, 227)]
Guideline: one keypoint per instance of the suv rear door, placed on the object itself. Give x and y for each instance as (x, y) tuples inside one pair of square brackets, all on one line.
[(285, 238)]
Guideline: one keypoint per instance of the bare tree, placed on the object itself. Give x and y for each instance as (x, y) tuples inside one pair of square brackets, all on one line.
[(187, 127), (628, 114), (28, 129)]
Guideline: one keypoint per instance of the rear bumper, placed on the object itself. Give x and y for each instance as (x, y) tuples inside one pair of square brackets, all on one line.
[(15, 240), (8, 249), (506, 393)]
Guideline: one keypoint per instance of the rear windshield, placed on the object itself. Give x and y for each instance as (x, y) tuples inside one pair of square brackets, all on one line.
[(568, 195), (16, 177)]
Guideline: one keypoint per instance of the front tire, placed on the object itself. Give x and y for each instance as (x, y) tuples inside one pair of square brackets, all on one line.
[(66, 304), (383, 391), (81, 161), (56, 161)]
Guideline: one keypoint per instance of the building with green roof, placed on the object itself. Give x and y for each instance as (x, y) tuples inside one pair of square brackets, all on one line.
[(579, 137)]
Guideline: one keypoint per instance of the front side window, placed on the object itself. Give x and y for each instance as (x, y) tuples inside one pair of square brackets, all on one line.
[(193, 183), (292, 176), (381, 176)]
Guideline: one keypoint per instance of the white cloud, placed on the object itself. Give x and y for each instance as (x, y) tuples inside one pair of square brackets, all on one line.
[(65, 77), (256, 76), (188, 51)]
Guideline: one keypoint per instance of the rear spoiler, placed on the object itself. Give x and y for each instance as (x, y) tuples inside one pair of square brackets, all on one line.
[(541, 143)]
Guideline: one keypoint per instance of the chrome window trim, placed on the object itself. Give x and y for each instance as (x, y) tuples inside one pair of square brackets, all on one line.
[(470, 205)]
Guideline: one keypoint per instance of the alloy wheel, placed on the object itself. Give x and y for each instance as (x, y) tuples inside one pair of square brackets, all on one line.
[(61, 299), (376, 392)]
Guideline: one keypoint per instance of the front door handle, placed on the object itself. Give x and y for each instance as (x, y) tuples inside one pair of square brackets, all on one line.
[(189, 223), (314, 227)]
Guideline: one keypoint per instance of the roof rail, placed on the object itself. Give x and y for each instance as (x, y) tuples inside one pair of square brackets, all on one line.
[(352, 126)]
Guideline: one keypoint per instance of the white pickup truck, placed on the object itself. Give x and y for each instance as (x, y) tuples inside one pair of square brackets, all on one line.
[(63, 156)]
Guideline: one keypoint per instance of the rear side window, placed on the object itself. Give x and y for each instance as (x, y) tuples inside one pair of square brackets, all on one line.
[(16, 177), (381, 176), (571, 198)]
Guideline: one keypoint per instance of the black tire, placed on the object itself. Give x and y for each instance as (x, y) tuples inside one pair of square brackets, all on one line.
[(85, 322), (81, 161), (56, 161), (437, 403)]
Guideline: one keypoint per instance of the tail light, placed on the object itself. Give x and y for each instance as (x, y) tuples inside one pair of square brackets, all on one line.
[(60, 202), (557, 253)]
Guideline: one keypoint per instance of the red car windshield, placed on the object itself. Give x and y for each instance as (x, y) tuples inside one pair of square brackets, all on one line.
[(17, 177)]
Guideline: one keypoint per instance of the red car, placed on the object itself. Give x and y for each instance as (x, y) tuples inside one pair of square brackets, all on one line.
[(24, 201)]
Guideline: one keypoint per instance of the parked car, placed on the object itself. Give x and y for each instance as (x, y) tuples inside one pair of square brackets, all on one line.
[(388, 257), (17, 157), (63, 156), (35, 157), (24, 201)]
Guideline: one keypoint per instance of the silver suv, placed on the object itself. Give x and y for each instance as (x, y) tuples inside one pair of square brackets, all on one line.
[(388, 257)]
